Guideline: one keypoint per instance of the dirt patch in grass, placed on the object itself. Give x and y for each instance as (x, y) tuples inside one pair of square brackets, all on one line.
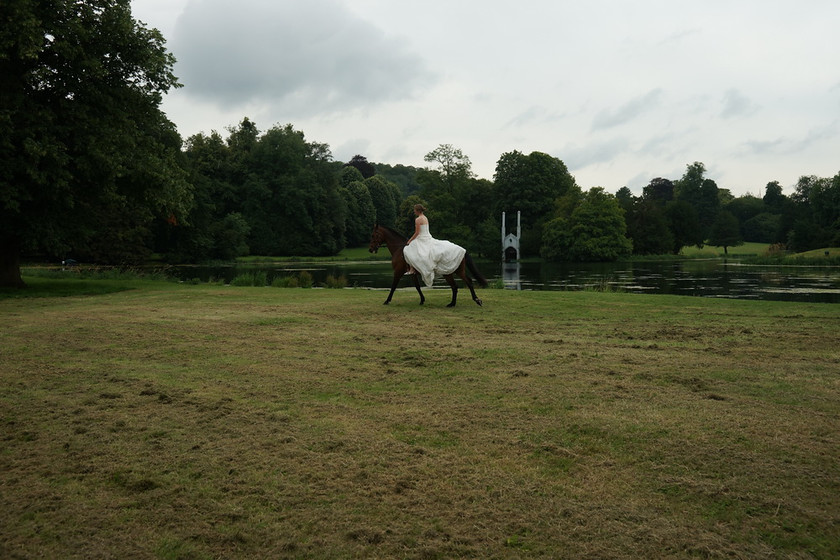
[(219, 422)]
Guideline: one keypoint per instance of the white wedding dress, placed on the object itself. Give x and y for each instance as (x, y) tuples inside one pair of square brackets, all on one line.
[(430, 256)]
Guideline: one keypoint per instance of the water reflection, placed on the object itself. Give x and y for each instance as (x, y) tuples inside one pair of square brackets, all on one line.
[(511, 275), (705, 278)]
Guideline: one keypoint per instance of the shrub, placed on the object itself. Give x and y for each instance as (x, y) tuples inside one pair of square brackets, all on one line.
[(337, 283), (776, 250), (260, 278), (285, 282), (250, 279), (302, 280), (497, 284), (305, 279), (242, 280)]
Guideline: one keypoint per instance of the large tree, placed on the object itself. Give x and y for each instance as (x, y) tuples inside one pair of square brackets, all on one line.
[(659, 191), (442, 187), (815, 213), (363, 166), (361, 213), (386, 198), (647, 221), (726, 231), (647, 227), (460, 205), (773, 197), (595, 231), (762, 228), (531, 184), (291, 196), (83, 144), (745, 207), (684, 225), (701, 193), (404, 176), (452, 163), (216, 228)]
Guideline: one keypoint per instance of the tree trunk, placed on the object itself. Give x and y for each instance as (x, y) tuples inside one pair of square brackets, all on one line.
[(10, 264)]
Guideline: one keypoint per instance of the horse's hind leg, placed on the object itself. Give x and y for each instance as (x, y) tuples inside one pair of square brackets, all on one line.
[(465, 277), (419, 291), (451, 281)]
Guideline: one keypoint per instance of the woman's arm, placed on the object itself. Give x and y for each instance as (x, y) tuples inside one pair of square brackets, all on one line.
[(416, 230)]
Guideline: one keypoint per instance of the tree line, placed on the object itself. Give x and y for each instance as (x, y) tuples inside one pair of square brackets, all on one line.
[(93, 169), (277, 194)]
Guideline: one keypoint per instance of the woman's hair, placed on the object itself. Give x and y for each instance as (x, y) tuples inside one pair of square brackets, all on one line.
[(419, 208)]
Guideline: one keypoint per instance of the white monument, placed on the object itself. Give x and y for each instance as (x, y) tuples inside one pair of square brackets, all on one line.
[(510, 254), (510, 242)]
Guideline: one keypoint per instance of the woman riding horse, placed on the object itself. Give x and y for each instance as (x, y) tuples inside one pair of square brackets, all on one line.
[(396, 243)]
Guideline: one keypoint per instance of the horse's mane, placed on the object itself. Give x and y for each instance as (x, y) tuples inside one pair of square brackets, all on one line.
[(393, 232)]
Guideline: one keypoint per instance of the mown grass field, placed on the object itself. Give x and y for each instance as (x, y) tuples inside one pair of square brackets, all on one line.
[(200, 422), (710, 251)]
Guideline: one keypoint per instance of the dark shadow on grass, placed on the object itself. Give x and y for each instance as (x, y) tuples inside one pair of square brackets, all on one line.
[(47, 287)]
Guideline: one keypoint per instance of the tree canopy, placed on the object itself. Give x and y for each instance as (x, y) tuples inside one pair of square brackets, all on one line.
[(595, 231), (282, 189), (362, 165), (87, 154), (725, 231), (530, 184), (701, 194)]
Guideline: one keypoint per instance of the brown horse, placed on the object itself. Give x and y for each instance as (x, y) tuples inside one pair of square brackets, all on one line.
[(396, 244)]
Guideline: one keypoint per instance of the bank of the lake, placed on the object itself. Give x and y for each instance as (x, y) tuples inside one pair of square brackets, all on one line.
[(711, 277), (742, 273)]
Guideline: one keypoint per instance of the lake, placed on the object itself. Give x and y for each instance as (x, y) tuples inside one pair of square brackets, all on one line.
[(692, 277)]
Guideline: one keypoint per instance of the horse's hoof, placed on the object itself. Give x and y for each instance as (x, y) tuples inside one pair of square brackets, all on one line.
[(386, 303), (451, 305), (478, 301)]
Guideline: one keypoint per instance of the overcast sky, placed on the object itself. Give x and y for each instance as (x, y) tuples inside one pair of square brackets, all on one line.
[(621, 91)]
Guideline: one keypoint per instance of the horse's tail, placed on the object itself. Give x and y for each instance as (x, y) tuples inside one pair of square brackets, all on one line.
[(475, 272)]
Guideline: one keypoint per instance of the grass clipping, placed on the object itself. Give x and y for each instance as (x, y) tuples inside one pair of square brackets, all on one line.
[(219, 422)]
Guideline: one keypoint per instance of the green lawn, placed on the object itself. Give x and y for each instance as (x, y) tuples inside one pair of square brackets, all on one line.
[(818, 253), (747, 249), (198, 422), (348, 254)]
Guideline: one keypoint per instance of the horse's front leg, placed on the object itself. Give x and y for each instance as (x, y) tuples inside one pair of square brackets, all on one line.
[(417, 285), (451, 281), (396, 281)]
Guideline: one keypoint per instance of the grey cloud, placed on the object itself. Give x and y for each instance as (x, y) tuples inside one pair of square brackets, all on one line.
[(669, 145), (638, 182), (350, 148), (735, 104), (533, 114), (818, 135), (628, 111), (663, 143), (779, 146), (678, 37), (762, 147), (312, 56), (599, 152)]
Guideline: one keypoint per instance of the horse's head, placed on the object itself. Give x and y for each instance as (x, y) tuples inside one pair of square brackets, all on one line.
[(376, 239)]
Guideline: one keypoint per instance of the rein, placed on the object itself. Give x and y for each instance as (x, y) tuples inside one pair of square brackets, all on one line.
[(383, 235)]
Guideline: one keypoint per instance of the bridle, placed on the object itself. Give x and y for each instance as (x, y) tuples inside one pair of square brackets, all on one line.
[(376, 240)]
